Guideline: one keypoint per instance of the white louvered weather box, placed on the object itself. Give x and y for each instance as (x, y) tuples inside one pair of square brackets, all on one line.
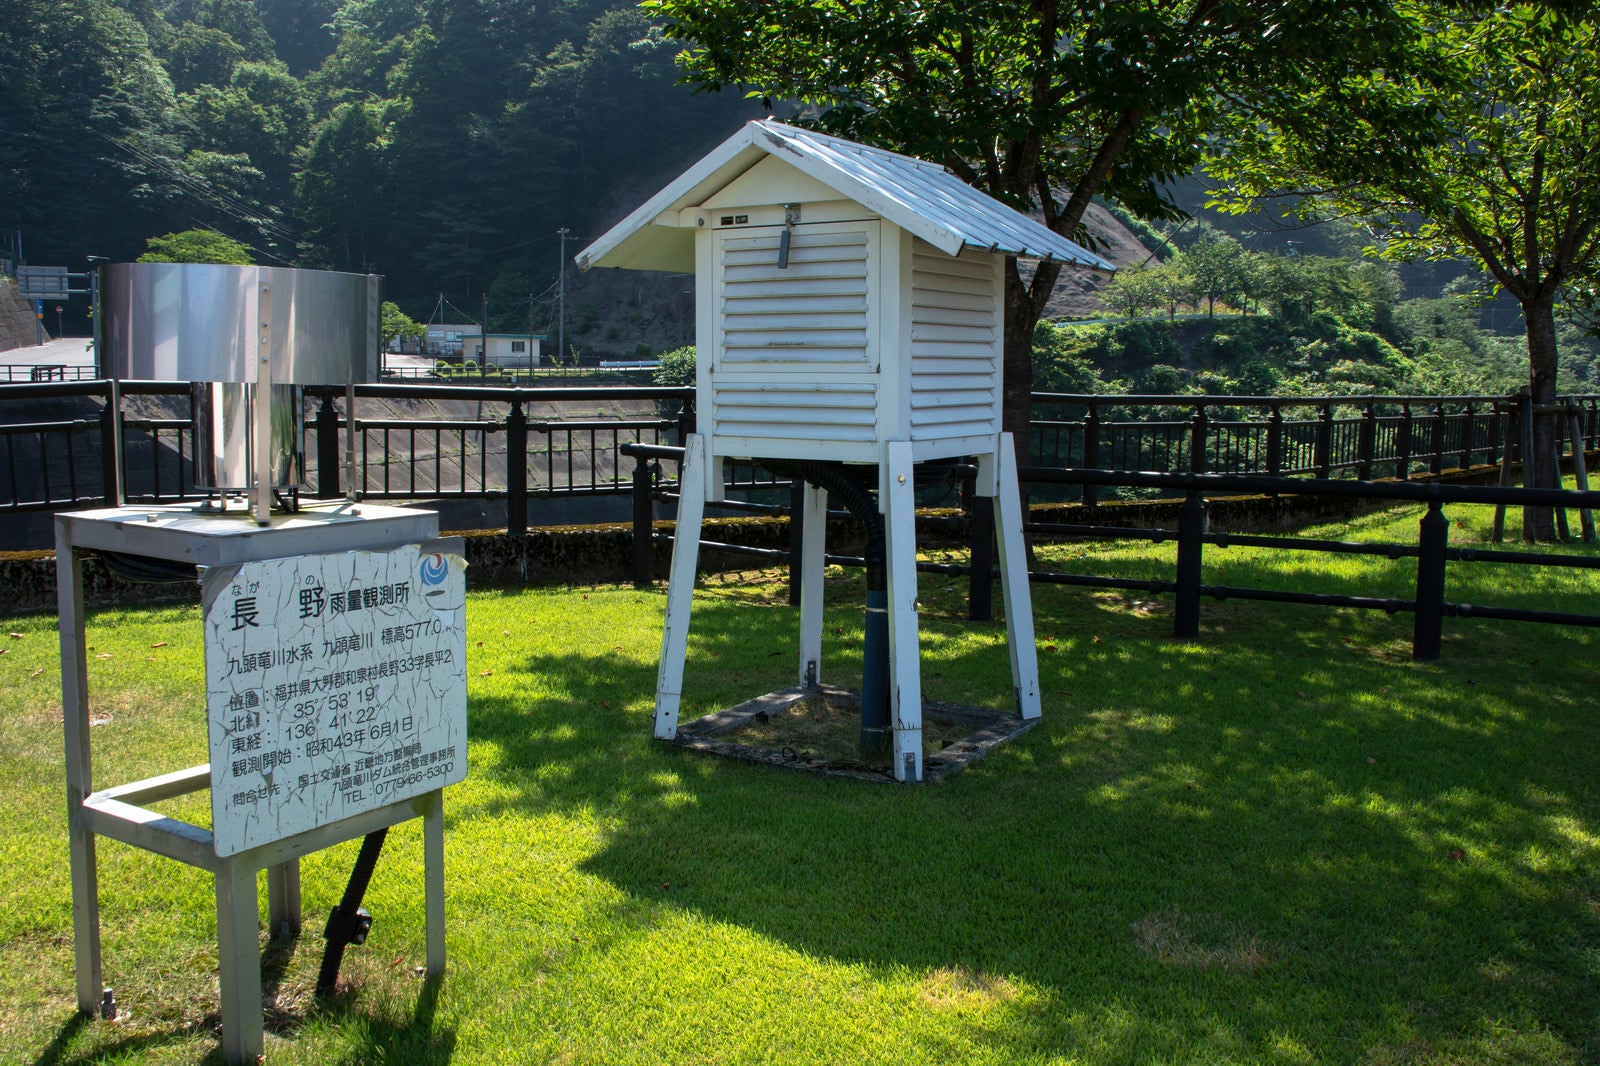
[(849, 309)]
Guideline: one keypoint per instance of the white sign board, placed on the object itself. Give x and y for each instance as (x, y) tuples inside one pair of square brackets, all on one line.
[(335, 684)]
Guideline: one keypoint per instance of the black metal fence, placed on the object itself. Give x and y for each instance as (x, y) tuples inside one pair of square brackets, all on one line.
[(516, 443), (1431, 550), (47, 372), (56, 453), (1357, 436)]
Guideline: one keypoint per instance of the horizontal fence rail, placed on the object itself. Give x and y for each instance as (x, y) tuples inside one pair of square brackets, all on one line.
[(1328, 436), (58, 440), (48, 372), (1431, 549), (493, 441)]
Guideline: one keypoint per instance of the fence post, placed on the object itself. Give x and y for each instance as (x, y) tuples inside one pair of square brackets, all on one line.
[(980, 540), (1275, 442), (1580, 471), (517, 470), (686, 422), (110, 447), (1428, 626), (328, 461), (1324, 446), (1367, 442), (1436, 444), (1197, 441), (1469, 433), (797, 537), (1191, 543), (1091, 452), (1402, 462), (644, 520), (1496, 429)]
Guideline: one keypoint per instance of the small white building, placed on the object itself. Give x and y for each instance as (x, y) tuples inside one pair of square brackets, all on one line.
[(513, 351), (850, 308)]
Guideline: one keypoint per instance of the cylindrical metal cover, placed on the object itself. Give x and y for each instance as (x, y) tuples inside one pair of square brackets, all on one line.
[(201, 322)]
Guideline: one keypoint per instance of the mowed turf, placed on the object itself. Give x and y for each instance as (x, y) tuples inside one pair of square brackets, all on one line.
[(1284, 842)]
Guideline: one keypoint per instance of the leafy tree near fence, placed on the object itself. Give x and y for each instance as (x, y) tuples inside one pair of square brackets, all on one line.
[(394, 324), (1508, 99), (1044, 104)]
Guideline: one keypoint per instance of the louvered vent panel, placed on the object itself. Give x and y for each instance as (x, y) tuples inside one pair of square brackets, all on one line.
[(955, 346), (812, 312), (796, 411)]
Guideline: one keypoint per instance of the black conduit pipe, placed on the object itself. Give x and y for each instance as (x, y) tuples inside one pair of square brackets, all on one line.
[(837, 479), (349, 923)]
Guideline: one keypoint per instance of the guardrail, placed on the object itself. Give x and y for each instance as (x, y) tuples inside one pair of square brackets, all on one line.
[(500, 452), (48, 372), (1280, 436)]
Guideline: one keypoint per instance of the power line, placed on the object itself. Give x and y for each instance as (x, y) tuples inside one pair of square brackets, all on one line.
[(238, 209)]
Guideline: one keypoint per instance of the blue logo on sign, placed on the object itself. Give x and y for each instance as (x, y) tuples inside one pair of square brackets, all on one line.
[(433, 570)]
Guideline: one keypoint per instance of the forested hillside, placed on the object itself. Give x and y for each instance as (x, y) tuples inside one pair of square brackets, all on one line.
[(441, 143)]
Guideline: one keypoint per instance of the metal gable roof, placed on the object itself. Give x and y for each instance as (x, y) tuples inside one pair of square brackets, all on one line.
[(920, 197)]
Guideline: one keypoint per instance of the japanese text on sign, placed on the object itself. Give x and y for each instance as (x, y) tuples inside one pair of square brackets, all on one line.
[(335, 684)]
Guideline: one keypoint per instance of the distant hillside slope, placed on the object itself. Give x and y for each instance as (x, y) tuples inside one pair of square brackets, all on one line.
[(1077, 293)]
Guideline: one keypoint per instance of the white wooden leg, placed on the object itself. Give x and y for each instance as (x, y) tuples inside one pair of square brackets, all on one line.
[(899, 506), (814, 539), (1014, 583), (680, 585)]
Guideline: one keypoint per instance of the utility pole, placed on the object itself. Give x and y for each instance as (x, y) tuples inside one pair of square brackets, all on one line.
[(483, 333), (561, 300), (530, 333)]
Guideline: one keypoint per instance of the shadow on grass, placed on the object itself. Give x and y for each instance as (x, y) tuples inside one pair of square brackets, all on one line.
[(415, 1040), (52, 1054), (1285, 831)]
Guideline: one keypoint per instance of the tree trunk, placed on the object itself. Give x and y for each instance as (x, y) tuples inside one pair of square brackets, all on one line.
[(1541, 469), (1016, 405)]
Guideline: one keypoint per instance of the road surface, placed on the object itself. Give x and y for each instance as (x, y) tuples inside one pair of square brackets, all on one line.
[(74, 352)]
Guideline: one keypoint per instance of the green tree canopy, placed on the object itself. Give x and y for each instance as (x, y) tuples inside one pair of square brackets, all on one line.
[(1042, 104), (395, 324), (196, 246), (1488, 148)]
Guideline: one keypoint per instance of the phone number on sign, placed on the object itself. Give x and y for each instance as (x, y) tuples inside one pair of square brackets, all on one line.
[(437, 770)]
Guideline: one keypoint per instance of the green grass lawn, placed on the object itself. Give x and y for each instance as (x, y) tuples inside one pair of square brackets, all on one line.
[(1285, 842)]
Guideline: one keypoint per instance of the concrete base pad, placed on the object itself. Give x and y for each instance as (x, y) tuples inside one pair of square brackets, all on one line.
[(979, 731)]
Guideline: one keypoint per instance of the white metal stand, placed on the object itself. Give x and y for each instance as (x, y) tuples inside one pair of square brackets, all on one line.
[(120, 811), (997, 476)]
